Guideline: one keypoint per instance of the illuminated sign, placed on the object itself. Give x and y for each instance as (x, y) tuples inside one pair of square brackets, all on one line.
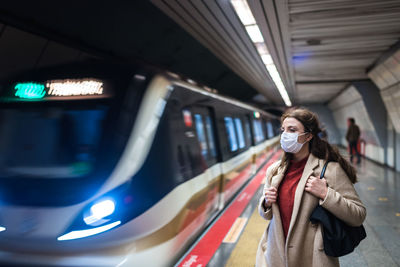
[(30, 90), (58, 88), (73, 87), (187, 118)]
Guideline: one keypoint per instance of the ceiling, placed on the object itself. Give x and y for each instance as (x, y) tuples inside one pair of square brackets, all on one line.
[(47, 32), (319, 47)]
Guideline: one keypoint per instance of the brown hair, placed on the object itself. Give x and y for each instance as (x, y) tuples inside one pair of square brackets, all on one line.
[(318, 147)]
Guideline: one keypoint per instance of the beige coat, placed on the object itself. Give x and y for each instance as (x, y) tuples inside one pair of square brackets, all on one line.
[(304, 244)]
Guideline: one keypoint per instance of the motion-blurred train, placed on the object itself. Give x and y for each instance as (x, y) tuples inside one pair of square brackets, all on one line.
[(107, 165)]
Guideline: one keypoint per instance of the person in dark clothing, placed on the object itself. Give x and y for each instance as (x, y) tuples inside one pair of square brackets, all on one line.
[(352, 136)]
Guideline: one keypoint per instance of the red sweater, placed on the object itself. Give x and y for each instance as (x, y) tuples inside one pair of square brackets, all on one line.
[(286, 191)]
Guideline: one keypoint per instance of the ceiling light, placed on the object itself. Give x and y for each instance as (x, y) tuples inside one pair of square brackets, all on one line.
[(279, 84), (262, 48), (267, 59), (255, 34), (243, 11)]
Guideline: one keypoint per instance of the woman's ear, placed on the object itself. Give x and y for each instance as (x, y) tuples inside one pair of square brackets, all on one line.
[(309, 137)]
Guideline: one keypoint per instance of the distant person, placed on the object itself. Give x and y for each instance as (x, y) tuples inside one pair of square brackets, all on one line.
[(352, 137), (293, 189)]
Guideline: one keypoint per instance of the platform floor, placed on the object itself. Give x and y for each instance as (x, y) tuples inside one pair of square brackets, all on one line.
[(379, 189)]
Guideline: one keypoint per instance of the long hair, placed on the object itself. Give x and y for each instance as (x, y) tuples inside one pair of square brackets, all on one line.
[(317, 146)]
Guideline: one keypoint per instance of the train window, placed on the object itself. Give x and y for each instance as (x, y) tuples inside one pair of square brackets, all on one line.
[(248, 133), (258, 132), (210, 136), (270, 130), (239, 129), (52, 142), (230, 128), (200, 134)]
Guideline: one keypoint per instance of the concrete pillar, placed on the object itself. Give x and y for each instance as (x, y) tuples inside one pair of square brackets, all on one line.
[(376, 111)]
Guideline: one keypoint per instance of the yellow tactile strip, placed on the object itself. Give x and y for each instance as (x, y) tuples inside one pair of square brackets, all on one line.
[(244, 253), (235, 231)]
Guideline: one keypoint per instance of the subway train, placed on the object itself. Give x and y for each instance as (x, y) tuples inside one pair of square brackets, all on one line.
[(104, 164)]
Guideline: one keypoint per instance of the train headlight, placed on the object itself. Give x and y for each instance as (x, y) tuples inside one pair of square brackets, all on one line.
[(97, 218), (109, 211), (2, 228), (88, 232), (99, 211)]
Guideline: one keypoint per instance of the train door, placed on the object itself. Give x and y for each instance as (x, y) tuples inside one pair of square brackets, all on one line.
[(204, 122), (259, 139), (250, 141)]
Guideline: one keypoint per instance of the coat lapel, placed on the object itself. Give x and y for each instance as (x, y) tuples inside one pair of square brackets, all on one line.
[(311, 165), (277, 179), (275, 182)]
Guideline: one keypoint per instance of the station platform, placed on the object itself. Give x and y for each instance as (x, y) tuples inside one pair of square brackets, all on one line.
[(233, 238)]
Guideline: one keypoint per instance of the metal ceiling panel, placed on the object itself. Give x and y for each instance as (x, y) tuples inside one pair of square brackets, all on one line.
[(216, 26), (274, 27), (317, 46), (337, 40), (318, 92)]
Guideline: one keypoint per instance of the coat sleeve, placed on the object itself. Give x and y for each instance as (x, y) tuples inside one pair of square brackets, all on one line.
[(342, 199), (267, 213)]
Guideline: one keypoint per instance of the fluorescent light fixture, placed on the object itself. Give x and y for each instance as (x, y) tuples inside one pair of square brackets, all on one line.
[(279, 84), (267, 59), (88, 232), (100, 210), (243, 10), (207, 88), (273, 72), (139, 77), (2, 228), (245, 15), (262, 48), (173, 75), (254, 32)]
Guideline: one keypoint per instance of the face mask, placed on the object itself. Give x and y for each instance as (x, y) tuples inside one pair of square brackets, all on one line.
[(289, 142)]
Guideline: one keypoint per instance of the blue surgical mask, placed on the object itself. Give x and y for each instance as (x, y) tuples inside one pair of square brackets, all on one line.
[(289, 142)]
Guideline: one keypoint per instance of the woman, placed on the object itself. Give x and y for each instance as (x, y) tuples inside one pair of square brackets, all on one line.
[(293, 189)]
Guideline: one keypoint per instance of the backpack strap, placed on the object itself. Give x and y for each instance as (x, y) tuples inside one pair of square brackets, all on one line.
[(323, 170)]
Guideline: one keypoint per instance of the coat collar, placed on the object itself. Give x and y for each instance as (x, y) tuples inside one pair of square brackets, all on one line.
[(311, 164)]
